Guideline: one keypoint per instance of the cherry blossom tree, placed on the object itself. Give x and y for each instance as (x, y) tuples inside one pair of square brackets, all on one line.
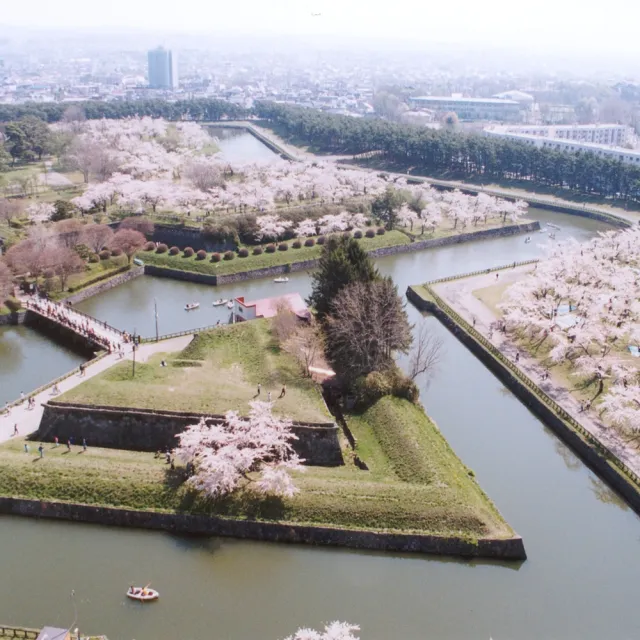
[(64, 263), (582, 304), (239, 451), (129, 241), (271, 227), (97, 236), (333, 631), (40, 211)]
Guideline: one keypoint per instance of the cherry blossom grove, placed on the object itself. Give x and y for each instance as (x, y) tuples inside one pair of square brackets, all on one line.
[(225, 454), (583, 305)]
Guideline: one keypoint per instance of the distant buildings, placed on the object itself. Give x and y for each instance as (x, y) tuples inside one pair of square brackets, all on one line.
[(600, 139), (472, 108), (163, 69)]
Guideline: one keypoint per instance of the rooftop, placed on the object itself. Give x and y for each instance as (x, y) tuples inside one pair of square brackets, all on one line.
[(268, 307), (464, 100)]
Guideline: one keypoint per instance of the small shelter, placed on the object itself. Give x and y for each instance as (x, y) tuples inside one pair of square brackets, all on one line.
[(54, 633), (268, 307)]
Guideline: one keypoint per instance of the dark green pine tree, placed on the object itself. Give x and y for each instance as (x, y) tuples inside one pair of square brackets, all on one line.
[(342, 262)]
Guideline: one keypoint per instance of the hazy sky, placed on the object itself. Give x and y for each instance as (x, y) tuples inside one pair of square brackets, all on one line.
[(561, 24)]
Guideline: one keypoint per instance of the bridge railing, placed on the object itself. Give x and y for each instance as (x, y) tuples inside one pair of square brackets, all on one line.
[(179, 334), (34, 307)]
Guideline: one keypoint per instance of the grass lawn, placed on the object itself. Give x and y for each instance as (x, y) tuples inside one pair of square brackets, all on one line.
[(218, 371), (445, 232), (237, 265), (441, 498), (492, 296)]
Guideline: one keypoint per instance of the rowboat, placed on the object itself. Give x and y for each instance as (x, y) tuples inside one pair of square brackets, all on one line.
[(553, 226), (527, 240), (230, 304), (219, 302), (142, 594), (191, 306), (281, 279)]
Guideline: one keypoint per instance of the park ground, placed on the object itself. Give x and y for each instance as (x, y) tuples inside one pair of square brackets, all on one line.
[(477, 300), (415, 482)]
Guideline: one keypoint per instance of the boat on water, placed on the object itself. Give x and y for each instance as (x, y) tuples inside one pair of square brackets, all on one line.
[(230, 304), (542, 230), (142, 594), (527, 240), (553, 226), (191, 306), (281, 279), (552, 236), (219, 302)]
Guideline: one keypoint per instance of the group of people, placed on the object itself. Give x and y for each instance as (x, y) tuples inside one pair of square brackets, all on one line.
[(56, 443), (98, 332), (283, 392)]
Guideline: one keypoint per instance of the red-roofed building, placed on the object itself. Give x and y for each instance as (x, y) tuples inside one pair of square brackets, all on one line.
[(268, 307)]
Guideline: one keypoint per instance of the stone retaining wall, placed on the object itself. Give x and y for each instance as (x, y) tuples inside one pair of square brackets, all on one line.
[(14, 318), (149, 430), (18, 632), (592, 458), (509, 549), (105, 285), (304, 265)]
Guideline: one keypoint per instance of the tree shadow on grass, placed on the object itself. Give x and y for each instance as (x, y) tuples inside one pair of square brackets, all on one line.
[(242, 503)]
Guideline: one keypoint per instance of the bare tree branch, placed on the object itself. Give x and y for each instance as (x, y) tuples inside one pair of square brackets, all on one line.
[(427, 353)]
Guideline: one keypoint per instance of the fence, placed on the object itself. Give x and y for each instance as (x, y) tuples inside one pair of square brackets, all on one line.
[(53, 382), (522, 377), (178, 334), (35, 308)]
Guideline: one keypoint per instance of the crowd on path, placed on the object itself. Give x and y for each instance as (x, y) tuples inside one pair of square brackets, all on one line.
[(99, 332)]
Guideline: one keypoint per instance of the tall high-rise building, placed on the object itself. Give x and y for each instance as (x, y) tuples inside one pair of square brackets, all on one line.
[(163, 69)]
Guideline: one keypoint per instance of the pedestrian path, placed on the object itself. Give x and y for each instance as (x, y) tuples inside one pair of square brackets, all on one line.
[(28, 420), (458, 294)]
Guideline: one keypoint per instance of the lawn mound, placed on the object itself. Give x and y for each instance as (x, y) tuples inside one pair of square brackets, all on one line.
[(218, 371)]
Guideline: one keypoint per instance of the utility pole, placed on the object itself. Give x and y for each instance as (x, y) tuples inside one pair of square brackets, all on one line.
[(155, 306), (135, 348)]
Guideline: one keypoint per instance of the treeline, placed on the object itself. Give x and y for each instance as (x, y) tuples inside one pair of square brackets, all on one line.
[(458, 154), (202, 110)]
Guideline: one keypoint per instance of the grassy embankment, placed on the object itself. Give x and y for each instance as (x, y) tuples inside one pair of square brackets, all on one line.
[(415, 482), (279, 258), (218, 371)]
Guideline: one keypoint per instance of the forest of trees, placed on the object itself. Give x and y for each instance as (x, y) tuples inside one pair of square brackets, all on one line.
[(459, 155), (203, 110)]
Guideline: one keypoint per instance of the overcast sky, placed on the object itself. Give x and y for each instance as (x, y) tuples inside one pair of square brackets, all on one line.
[(559, 24)]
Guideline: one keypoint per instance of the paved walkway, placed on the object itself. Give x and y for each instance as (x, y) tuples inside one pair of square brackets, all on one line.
[(459, 295), (28, 420)]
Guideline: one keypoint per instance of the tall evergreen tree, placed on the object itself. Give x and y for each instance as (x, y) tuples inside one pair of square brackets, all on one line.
[(343, 262)]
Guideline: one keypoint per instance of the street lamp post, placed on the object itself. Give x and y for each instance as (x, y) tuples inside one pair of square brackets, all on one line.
[(135, 348), (155, 306)]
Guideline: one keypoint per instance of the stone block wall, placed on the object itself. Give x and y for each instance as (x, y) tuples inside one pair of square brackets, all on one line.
[(105, 285), (14, 318), (61, 334), (179, 523), (149, 430)]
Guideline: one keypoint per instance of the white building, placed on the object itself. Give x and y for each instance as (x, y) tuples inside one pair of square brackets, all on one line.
[(163, 69), (601, 139), (472, 108)]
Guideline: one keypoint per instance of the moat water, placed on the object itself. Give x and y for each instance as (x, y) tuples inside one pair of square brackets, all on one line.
[(583, 543)]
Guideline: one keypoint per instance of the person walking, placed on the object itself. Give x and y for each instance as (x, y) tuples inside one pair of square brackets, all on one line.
[(69, 444), (269, 396), (41, 450), (56, 444), (22, 395), (26, 448), (283, 393), (84, 444), (15, 429), (259, 388)]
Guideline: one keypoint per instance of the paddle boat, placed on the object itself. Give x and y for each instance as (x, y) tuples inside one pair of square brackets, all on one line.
[(230, 304), (552, 236), (542, 230), (138, 262), (219, 302), (143, 594), (527, 240), (281, 279), (191, 306)]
